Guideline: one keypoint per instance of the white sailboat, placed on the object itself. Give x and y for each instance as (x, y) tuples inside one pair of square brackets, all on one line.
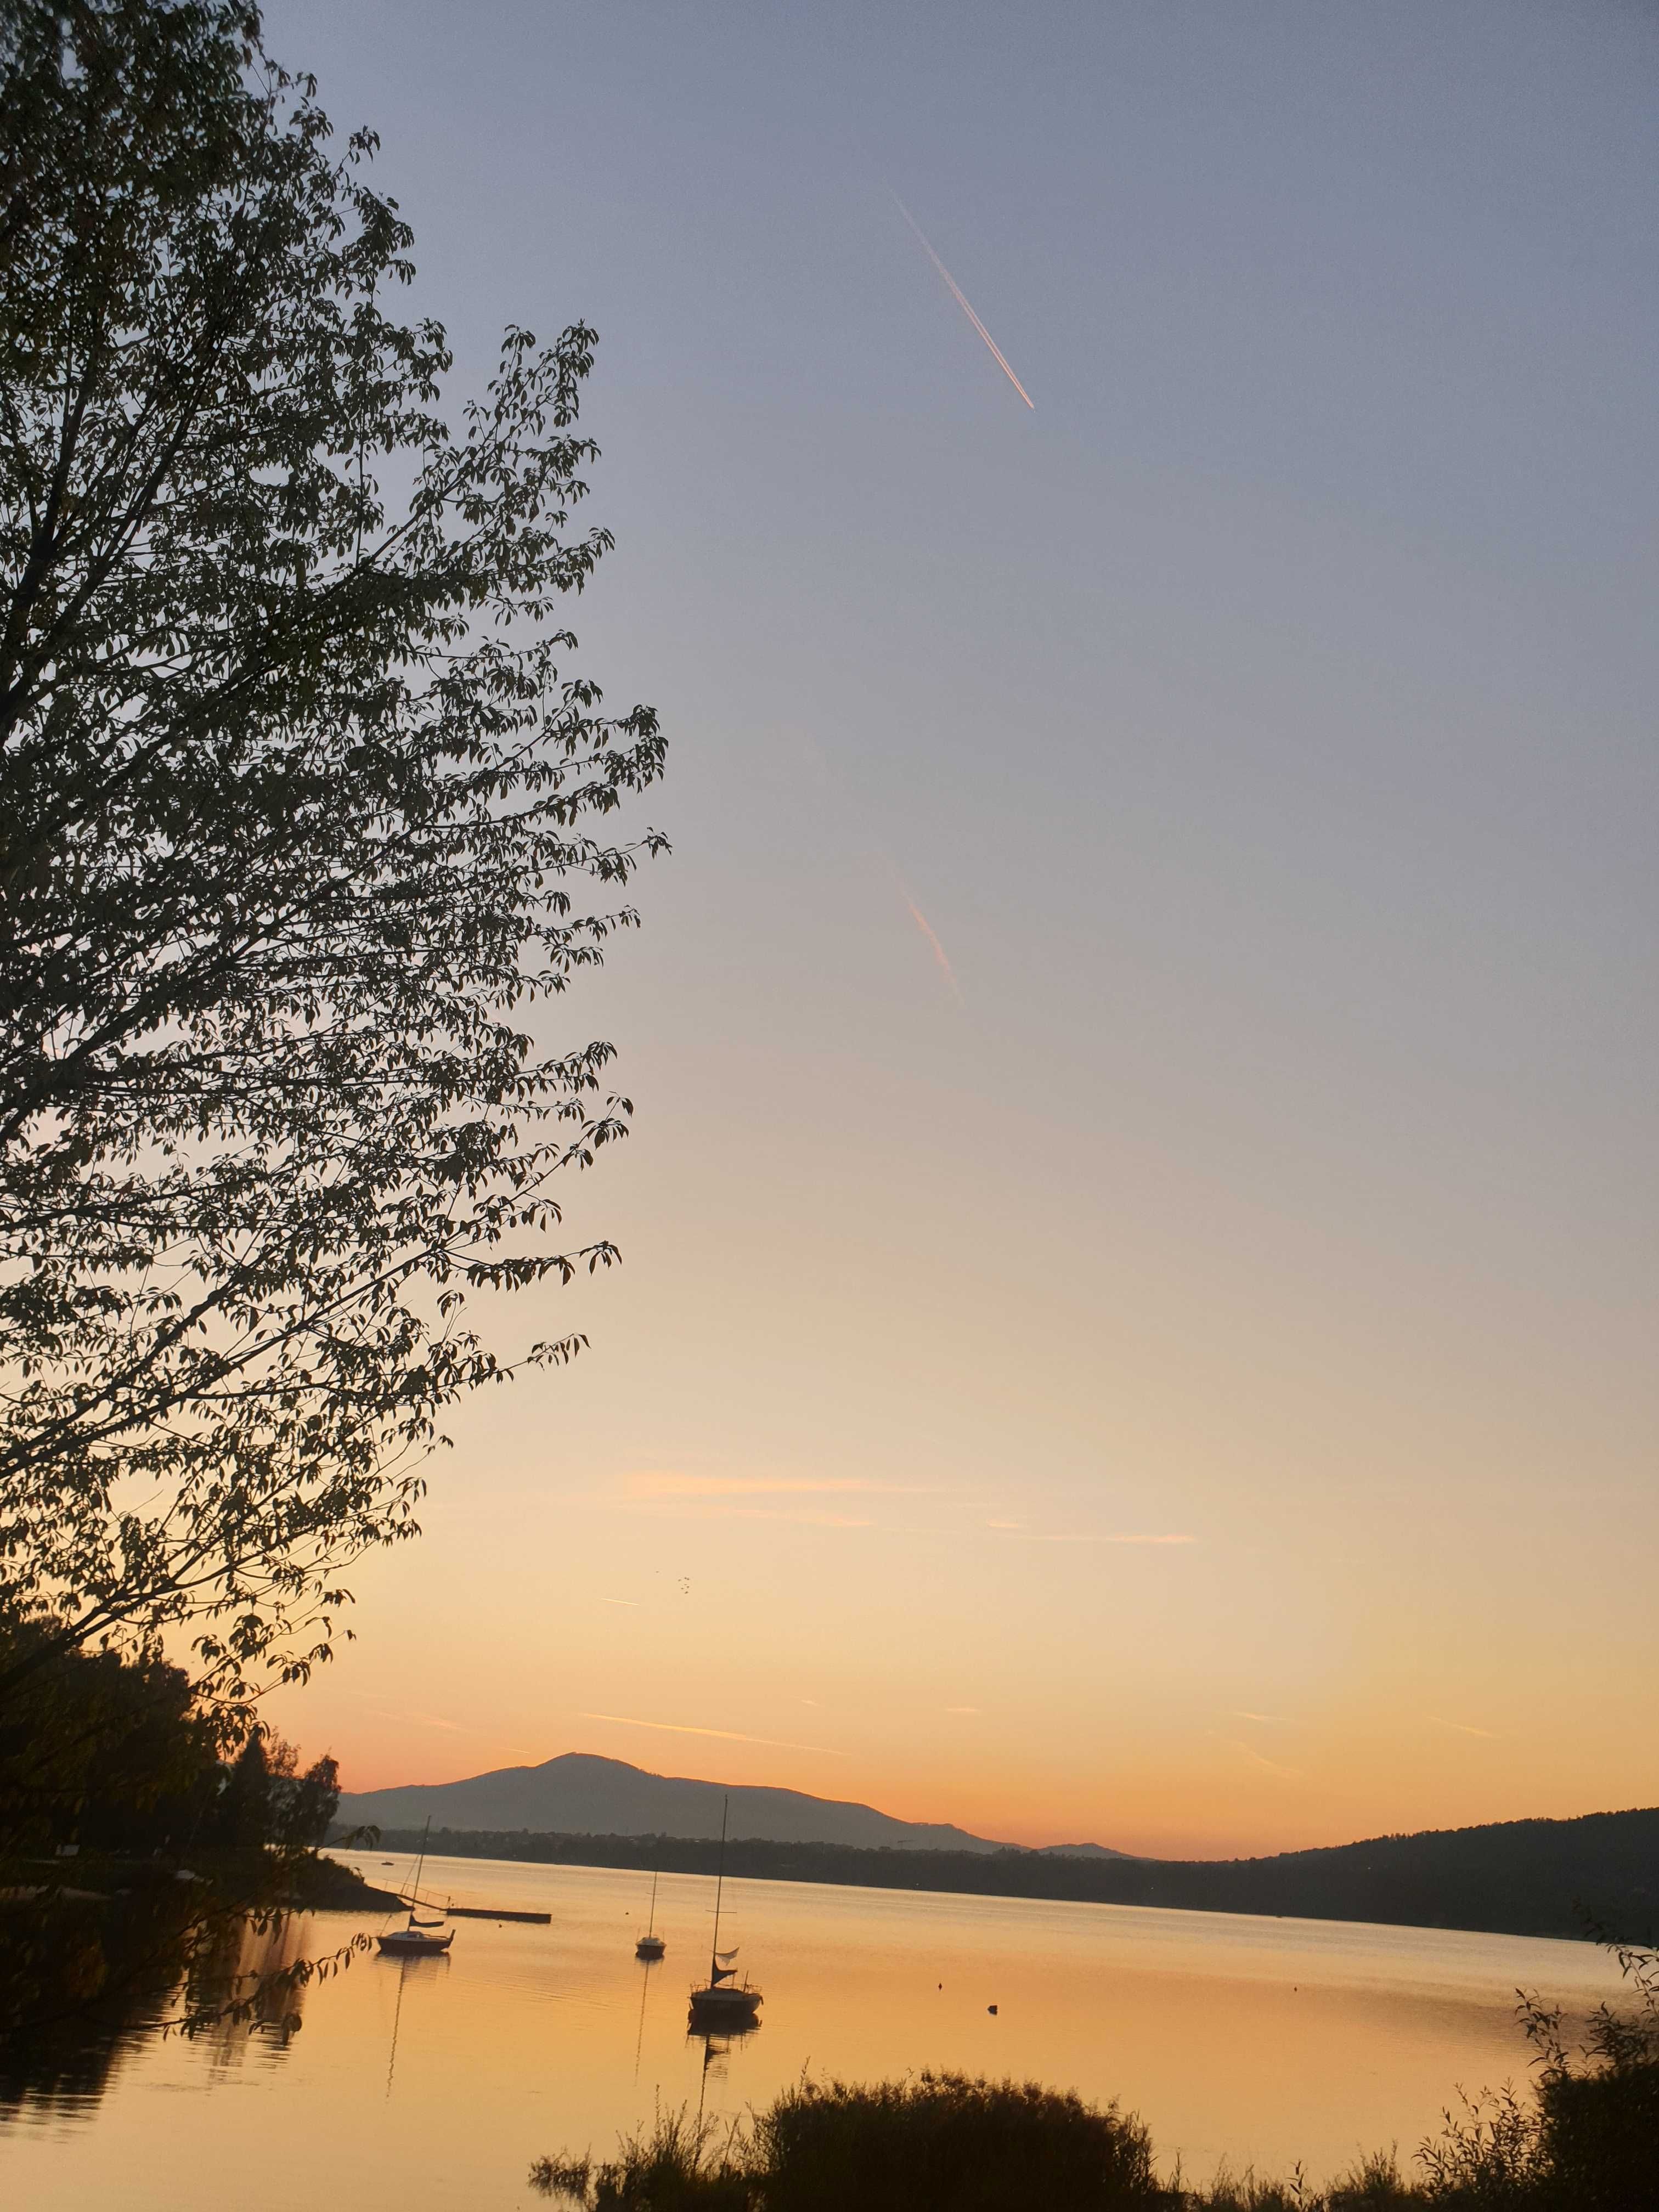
[(724, 2002), (651, 1945), (415, 1940)]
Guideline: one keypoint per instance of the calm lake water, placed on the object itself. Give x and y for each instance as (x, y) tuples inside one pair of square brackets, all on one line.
[(432, 2084)]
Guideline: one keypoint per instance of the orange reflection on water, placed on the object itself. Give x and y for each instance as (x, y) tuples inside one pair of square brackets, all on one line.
[(431, 2085)]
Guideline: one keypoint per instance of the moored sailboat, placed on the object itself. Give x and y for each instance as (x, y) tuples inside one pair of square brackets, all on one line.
[(651, 1945), (723, 2001), (414, 1939)]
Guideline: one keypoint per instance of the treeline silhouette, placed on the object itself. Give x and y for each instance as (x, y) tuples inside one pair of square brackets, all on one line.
[(1598, 1875), (116, 1755), (140, 1844)]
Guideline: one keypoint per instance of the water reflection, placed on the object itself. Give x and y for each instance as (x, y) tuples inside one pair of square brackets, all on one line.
[(645, 1992), (88, 1981), (248, 1986), (436, 1963), (718, 2044), (82, 1982), (1263, 2040)]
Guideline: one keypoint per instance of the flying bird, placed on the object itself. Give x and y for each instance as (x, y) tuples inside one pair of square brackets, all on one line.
[(961, 299)]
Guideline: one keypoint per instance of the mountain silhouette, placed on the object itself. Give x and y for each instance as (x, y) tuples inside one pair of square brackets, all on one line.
[(579, 1794)]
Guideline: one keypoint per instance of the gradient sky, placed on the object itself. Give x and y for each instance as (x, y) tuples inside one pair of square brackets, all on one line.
[(1137, 1319)]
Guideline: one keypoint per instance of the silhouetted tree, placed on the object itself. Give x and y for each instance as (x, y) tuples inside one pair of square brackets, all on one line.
[(309, 1803), (294, 789), (242, 1814), (266, 1799), (97, 1751)]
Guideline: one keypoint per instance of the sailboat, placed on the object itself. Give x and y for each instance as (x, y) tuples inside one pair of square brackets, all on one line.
[(413, 1940), (725, 2002), (651, 1945)]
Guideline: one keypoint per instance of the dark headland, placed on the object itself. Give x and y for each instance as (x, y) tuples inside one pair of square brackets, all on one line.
[(1596, 1876)]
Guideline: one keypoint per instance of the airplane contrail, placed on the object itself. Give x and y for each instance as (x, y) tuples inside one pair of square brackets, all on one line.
[(961, 299), (727, 1736), (922, 924)]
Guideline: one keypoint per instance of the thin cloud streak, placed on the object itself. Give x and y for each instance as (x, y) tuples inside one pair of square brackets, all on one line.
[(414, 1720), (725, 1736), (1081, 1536), (1269, 1766), (801, 1520), (405, 1719), (960, 297), (939, 954), (669, 1484), (1463, 1727), (710, 1508)]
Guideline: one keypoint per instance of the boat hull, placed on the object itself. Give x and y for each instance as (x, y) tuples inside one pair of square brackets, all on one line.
[(650, 1947), (402, 1944), (722, 2007)]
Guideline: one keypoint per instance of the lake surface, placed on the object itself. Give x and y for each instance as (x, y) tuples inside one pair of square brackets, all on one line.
[(431, 2085)]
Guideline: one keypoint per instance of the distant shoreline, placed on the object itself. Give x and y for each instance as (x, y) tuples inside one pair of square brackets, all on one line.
[(1593, 1879)]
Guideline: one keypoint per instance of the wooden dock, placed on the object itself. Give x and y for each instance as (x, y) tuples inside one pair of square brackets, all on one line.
[(483, 1912)]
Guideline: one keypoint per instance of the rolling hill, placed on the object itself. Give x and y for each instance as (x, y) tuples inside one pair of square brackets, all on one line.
[(579, 1794)]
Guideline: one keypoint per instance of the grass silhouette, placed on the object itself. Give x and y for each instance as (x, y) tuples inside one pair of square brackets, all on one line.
[(1584, 2138)]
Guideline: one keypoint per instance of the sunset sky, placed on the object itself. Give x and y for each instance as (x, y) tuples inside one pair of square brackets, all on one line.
[(1137, 1319)]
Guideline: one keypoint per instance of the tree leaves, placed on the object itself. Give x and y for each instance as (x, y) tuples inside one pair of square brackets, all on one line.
[(295, 784)]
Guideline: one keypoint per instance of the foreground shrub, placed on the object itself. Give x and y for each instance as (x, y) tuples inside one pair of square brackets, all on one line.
[(1602, 2130), (942, 2139), (1586, 2139), (936, 2140), (1600, 2121), (682, 2166), (1491, 2152), (1372, 2186)]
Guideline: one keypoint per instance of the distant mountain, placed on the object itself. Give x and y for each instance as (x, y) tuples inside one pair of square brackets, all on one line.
[(1080, 1851), (580, 1795)]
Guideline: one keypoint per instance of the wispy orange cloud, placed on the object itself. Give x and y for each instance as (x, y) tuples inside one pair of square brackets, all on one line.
[(1083, 1536), (1269, 1766), (1463, 1727), (713, 1512), (939, 954), (724, 1735), (418, 1720), (404, 1718), (670, 1485)]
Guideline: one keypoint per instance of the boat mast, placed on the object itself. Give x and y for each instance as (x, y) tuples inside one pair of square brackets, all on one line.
[(651, 1925), (720, 1884), (415, 1887)]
